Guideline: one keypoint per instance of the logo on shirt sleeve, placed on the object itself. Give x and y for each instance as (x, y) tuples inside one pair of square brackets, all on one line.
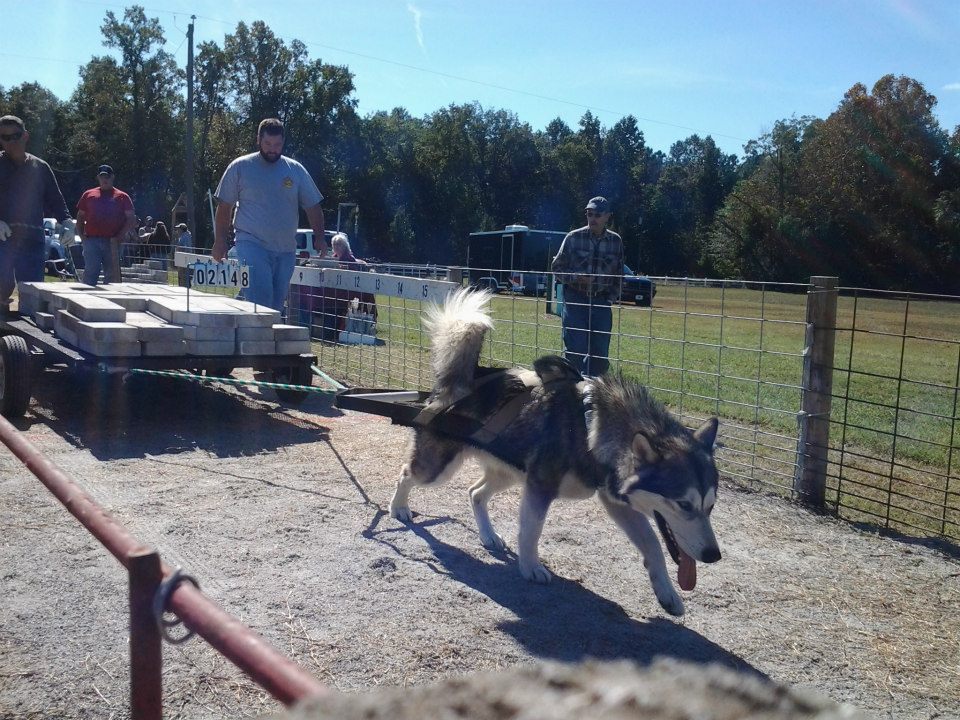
[(288, 182)]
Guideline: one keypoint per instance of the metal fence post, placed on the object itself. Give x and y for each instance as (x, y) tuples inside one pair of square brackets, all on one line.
[(810, 482), (146, 682)]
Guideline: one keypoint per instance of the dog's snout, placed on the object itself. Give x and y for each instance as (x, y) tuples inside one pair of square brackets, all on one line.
[(711, 555)]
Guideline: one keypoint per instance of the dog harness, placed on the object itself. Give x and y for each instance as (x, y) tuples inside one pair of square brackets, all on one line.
[(497, 398)]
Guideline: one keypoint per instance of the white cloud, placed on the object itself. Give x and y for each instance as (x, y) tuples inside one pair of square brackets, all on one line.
[(417, 14), (952, 86)]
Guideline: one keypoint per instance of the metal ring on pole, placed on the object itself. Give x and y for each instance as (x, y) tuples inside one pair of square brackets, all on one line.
[(160, 601)]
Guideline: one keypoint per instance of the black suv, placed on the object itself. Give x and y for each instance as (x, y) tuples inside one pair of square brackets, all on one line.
[(637, 288)]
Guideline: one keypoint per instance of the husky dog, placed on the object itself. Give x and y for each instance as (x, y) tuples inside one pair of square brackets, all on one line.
[(561, 436)]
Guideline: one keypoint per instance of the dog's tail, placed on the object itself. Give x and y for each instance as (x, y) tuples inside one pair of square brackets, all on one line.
[(457, 329)]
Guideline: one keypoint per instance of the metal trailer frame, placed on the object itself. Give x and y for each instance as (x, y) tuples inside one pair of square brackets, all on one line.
[(25, 349)]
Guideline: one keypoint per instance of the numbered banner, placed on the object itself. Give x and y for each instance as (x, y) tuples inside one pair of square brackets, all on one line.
[(220, 274), (398, 286)]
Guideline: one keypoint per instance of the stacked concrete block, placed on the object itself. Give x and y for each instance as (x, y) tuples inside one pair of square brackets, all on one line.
[(138, 318), (291, 339), (157, 337), (103, 339), (95, 309)]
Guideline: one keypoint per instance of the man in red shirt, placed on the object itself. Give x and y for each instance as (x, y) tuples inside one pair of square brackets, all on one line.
[(104, 217)]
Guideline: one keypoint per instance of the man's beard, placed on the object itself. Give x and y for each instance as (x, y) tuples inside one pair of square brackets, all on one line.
[(269, 158)]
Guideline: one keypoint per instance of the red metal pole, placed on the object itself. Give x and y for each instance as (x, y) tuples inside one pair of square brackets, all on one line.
[(281, 677), (146, 655)]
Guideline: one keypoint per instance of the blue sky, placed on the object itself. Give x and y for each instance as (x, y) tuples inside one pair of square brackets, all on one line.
[(727, 68)]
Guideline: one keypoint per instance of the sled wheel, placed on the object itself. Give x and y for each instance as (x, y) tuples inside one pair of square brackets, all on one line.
[(293, 375), (15, 376)]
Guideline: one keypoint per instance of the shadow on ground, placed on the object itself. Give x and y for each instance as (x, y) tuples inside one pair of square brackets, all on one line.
[(136, 416), (563, 620)]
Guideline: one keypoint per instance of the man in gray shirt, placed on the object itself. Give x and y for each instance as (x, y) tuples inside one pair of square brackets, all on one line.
[(267, 190), (28, 189)]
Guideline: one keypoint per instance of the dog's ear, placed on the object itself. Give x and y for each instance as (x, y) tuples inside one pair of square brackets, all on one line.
[(643, 450), (706, 434)]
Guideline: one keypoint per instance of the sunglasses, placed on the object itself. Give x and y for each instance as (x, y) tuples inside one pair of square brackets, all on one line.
[(13, 137)]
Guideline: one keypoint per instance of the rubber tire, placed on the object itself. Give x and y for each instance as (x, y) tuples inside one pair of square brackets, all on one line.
[(646, 302), (294, 375), (16, 377)]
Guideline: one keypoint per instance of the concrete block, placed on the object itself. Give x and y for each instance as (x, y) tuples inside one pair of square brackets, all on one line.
[(45, 321), (109, 349), (290, 332), (293, 347), (261, 334), (256, 347), (65, 335), (196, 332), (217, 320), (164, 348), (129, 302), (31, 289), (209, 347), (65, 322), (58, 300), (28, 304), (106, 332), (154, 329), (95, 309), (266, 319), (175, 310)]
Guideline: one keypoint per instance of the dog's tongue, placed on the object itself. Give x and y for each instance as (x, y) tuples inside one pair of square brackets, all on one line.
[(687, 572)]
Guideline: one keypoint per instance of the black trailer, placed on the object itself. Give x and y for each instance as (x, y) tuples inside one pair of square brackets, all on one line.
[(25, 349), (515, 258)]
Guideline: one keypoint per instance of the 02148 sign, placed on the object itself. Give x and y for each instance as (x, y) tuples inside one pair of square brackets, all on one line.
[(220, 274)]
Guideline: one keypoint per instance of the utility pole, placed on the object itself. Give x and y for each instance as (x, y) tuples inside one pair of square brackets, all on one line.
[(188, 178)]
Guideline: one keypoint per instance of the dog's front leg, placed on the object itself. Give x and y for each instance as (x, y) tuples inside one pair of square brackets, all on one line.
[(637, 528), (533, 511), (399, 508)]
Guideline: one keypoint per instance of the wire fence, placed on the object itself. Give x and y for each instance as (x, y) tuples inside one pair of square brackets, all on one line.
[(737, 350), (894, 455)]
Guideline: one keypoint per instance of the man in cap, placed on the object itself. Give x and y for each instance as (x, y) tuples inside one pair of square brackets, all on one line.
[(589, 264), (105, 217), (184, 239), (267, 189), (28, 193)]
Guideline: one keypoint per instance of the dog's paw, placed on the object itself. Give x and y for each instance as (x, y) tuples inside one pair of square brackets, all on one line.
[(493, 542), (401, 513), (671, 602), (535, 573)]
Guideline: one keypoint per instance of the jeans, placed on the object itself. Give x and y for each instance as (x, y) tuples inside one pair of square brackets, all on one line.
[(270, 273), (21, 260), (97, 254), (586, 332)]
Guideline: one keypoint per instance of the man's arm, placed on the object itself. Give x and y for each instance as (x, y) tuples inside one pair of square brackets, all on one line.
[(223, 218), (129, 225), (53, 198), (315, 216), (81, 228)]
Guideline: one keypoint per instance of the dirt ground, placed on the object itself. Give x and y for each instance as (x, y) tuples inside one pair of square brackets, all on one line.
[(281, 516)]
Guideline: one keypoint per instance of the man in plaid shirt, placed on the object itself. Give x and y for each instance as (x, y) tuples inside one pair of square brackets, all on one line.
[(590, 266)]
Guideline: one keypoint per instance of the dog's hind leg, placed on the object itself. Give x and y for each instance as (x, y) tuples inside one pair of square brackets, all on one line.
[(432, 461), (637, 528), (491, 483), (533, 511)]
